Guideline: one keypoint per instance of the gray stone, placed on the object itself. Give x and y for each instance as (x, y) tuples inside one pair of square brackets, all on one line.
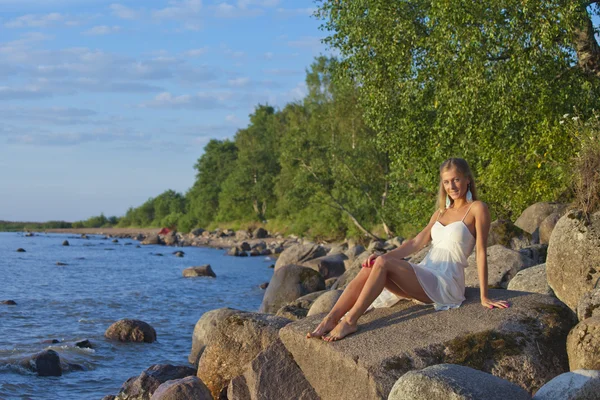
[(131, 330), (143, 386), (581, 384), (329, 266), (532, 217), (573, 262), (186, 388), (338, 249), (537, 252), (299, 253), (260, 233), (521, 344), (454, 382), (242, 235), (152, 239), (330, 282), (298, 308), (547, 226), (351, 271), (532, 279), (65, 243), (325, 302), (273, 374), (589, 305), (203, 270), (354, 251), (233, 343), (47, 363), (203, 328), (503, 265), (170, 239), (287, 284), (583, 345), (376, 245)]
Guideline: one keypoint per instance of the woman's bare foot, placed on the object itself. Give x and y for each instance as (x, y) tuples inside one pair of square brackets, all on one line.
[(323, 328), (343, 329)]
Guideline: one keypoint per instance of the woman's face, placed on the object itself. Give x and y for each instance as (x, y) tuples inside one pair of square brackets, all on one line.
[(455, 183)]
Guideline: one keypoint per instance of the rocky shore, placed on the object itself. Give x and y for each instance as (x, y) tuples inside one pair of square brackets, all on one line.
[(545, 346)]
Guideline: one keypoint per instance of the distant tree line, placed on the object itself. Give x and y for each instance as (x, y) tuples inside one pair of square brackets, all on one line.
[(501, 84)]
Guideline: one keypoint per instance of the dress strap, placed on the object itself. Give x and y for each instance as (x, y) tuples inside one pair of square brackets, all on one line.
[(468, 209)]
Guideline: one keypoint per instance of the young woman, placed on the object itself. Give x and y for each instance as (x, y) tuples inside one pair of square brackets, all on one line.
[(460, 223)]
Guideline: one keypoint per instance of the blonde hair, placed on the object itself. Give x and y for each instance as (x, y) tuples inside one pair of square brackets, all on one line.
[(463, 168)]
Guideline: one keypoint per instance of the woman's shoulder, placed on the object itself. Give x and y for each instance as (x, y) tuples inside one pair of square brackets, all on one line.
[(479, 207)]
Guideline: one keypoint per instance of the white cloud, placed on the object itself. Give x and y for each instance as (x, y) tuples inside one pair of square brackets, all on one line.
[(239, 82), (35, 21), (295, 12), (306, 41), (202, 100), (259, 3), (124, 12), (226, 10), (179, 9), (196, 52), (27, 92), (103, 30)]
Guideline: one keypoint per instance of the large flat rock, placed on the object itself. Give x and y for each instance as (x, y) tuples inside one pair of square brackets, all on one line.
[(524, 344)]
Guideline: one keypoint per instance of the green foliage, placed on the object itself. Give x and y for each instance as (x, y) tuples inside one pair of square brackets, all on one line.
[(9, 226), (486, 81)]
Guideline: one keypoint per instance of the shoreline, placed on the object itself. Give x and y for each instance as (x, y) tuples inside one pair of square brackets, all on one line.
[(106, 231)]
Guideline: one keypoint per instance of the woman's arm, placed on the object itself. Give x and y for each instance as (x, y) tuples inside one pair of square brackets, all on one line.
[(482, 229), (410, 246)]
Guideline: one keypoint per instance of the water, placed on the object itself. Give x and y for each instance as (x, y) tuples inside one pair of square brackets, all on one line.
[(102, 283)]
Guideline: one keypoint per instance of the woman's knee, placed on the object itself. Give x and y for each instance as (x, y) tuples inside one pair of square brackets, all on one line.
[(381, 263)]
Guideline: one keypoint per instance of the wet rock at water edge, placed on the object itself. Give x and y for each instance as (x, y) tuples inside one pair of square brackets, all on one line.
[(131, 330), (8, 302), (157, 254), (84, 344), (65, 243), (45, 363), (264, 285), (179, 253), (20, 250), (61, 263), (203, 270), (190, 387)]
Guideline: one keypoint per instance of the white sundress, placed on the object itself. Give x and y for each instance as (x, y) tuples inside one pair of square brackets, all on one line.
[(442, 271)]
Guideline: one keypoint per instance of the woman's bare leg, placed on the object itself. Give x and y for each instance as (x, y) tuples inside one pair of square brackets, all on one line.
[(398, 272), (343, 304)]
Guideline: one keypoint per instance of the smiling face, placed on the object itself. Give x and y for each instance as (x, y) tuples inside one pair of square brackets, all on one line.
[(455, 184)]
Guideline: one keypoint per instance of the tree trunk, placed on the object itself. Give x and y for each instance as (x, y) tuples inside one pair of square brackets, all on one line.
[(588, 51)]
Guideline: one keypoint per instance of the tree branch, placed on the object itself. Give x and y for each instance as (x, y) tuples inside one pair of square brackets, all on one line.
[(588, 51)]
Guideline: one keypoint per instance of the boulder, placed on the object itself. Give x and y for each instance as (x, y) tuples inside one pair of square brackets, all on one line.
[(338, 249), (179, 254), (522, 344), (354, 251), (299, 253), (8, 302), (287, 284), (376, 245), (532, 217), (242, 235), (573, 262), (583, 345), (236, 251), (537, 252), (143, 386), (20, 250), (532, 279), (65, 243), (395, 241), (260, 233), (203, 270), (203, 328), (589, 305), (115, 240), (131, 330), (46, 363), (456, 382), (547, 226), (273, 374), (244, 246), (325, 302), (182, 389), (581, 384), (234, 342), (170, 239), (330, 282), (503, 265), (329, 266), (197, 232), (298, 308), (152, 239), (505, 233)]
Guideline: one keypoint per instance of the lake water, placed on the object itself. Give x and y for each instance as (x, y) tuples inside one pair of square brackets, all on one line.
[(102, 283)]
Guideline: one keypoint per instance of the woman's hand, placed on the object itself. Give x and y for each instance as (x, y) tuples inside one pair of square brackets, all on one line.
[(487, 303), (368, 263)]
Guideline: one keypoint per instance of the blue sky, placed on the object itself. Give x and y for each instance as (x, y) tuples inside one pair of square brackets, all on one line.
[(105, 104)]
